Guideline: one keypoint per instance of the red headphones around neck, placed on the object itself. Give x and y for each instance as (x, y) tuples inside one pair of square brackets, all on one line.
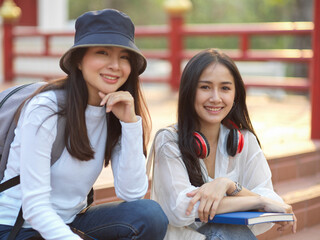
[(235, 142)]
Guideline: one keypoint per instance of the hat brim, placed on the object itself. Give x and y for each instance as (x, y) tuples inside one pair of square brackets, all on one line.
[(105, 40)]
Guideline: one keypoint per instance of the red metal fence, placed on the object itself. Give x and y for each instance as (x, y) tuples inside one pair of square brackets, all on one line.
[(176, 32)]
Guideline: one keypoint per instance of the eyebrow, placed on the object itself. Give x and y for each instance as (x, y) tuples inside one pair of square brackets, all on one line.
[(209, 82)]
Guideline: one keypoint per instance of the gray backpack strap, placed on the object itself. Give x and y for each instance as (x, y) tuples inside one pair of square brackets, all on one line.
[(6, 149)]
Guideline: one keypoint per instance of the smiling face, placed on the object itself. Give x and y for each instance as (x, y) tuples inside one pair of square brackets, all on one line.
[(104, 69), (214, 95)]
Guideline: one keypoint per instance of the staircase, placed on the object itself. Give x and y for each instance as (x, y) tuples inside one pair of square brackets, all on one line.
[(297, 180)]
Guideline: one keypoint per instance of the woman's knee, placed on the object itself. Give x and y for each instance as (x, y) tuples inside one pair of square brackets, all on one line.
[(151, 212), (152, 217), (215, 231)]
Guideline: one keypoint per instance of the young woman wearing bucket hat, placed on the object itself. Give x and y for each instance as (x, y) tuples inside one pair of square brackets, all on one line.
[(106, 120)]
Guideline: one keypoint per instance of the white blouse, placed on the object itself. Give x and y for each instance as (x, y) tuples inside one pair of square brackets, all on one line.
[(171, 182)]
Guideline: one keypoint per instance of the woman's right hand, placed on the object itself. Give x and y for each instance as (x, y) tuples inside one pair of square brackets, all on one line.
[(121, 103), (209, 194), (270, 205)]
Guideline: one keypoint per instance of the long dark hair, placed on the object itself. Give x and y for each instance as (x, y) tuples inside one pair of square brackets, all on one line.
[(188, 120), (76, 91)]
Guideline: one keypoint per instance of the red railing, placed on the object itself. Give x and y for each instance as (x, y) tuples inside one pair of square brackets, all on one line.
[(176, 32), (177, 53), (315, 73)]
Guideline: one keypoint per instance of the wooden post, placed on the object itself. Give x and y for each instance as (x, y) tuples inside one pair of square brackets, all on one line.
[(176, 48), (315, 74), (7, 52), (176, 10), (244, 45), (10, 14)]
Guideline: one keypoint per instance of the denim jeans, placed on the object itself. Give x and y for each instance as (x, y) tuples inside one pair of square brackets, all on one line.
[(141, 219), (214, 231)]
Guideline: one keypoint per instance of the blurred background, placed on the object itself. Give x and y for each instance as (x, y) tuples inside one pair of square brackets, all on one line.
[(152, 12), (270, 40)]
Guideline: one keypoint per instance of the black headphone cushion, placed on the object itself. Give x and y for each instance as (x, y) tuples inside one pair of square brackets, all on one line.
[(232, 142)]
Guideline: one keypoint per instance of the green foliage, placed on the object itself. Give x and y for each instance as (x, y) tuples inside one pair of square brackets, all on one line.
[(152, 12), (147, 12), (240, 11), (142, 12)]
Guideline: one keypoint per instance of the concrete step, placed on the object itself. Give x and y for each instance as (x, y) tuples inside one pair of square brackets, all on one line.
[(296, 179), (304, 196), (295, 166), (302, 193), (310, 233)]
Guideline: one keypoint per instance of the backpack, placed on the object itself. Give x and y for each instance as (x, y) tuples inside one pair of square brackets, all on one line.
[(10, 100)]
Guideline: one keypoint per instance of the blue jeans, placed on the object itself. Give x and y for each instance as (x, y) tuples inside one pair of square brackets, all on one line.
[(215, 231), (141, 219)]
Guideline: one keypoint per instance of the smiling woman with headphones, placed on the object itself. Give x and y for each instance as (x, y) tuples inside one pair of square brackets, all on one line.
[(210, 161)]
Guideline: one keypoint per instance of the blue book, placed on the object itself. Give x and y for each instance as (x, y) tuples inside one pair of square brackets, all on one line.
[(249, 218)]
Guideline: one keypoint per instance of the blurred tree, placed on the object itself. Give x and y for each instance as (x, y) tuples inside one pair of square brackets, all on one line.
[(228, 11), (151, 12), (215, 11), (142, 12)]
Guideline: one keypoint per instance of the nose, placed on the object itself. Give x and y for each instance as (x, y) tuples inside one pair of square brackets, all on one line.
[(215, 96), (113, 63)]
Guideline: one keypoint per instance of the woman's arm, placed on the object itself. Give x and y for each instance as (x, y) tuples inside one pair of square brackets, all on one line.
[(212, 194), (253, 172), (37, 134), (128, 163), (211, 203), (245, 203), (127, 160)]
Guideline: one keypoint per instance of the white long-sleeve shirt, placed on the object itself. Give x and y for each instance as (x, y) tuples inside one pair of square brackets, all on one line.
[(51, 196), (171, 181)]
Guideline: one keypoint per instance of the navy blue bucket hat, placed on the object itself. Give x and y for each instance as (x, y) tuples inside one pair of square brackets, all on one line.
[(106, 27)]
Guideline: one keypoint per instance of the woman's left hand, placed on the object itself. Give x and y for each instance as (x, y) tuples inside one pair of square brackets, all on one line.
[(287, 225), (209, 194), (121, 103), (275, 206)]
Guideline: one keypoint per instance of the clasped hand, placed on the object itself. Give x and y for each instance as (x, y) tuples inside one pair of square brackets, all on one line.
[(121, 103), (209, 194), (212, 193)]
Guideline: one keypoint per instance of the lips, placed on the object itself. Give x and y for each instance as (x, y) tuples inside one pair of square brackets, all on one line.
[(109, 78), (213, 109)]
